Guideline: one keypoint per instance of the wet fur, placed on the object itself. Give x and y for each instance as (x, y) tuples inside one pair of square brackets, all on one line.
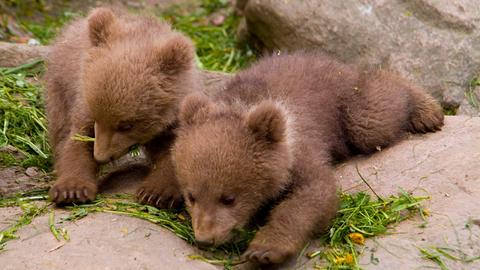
[(282, 123), (104, 73)]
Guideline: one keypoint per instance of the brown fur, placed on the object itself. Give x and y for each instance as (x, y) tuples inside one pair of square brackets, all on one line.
[(119, 78), (278, 124)]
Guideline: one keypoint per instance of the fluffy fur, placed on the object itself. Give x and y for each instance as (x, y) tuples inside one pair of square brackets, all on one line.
[(279, 125), (119, 78)]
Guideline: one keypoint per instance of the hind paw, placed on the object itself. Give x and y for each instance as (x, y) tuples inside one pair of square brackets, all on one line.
[(428, 118)]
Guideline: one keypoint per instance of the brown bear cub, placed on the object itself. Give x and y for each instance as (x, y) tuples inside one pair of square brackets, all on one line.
[(276, 128), (119, 78)]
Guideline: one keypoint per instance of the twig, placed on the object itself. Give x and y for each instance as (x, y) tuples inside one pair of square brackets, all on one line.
[(366, 183)]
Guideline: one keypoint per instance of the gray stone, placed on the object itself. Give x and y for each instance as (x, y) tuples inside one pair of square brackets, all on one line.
[(435, 43), (15, 54), (99, 241), (32, 171), (443, 165)]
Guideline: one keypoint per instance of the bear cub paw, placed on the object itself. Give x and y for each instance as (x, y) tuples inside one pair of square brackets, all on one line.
[(72, 190), (264, 251), (153, 193), (427, 118)]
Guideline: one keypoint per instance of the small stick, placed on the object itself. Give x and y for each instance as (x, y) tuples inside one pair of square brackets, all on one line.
[(366, 183)]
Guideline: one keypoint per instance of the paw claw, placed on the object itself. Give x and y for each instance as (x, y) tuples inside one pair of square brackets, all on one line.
[(154, 194), (70, 190), (143, 197)]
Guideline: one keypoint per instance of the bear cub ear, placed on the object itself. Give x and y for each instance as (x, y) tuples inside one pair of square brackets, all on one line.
[(194, 108), (99, 25), (267, 121), (175, 55)]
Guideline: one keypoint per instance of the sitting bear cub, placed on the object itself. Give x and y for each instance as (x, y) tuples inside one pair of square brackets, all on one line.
[(276, 129), (119, 78)]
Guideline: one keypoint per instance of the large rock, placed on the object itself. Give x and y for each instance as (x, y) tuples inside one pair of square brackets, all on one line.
[(443, 165), (98, 241), (435, 43), (15, 54)]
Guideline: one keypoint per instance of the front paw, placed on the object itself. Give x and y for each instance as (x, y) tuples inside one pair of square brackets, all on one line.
[(268, 250), (158, 195), (68, 190)]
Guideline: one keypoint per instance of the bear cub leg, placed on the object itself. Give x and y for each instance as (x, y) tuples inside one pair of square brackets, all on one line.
[(309, 209), (160, 188), (76, 172)]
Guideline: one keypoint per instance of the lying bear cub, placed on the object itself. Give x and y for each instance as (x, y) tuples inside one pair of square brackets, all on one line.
[(280, 124)]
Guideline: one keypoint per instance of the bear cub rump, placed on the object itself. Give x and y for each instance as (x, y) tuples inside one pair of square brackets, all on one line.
[(119, 78), (278, 126)]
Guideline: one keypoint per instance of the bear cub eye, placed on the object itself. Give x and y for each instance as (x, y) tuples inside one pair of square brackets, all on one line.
[(190, 198), (227, 200), (124, 127)]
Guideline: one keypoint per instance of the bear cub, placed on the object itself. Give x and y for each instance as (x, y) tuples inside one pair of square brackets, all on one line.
[(277, 128), (119, 78)]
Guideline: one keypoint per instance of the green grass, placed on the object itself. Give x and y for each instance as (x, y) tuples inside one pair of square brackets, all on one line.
[(361, 217), (216, 46), (45, 30), (438, 255), (30, 209), (470, 93), (22, 118)]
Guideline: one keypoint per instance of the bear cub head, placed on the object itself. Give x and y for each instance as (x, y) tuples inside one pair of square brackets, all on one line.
[(134, 76), (230, 160)]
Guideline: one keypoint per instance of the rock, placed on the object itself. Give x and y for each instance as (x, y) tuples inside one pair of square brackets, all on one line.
[(14, 179), (31, 171), (442, 165), (98, 241), (13, 151), (15, 54), (435, 43)]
